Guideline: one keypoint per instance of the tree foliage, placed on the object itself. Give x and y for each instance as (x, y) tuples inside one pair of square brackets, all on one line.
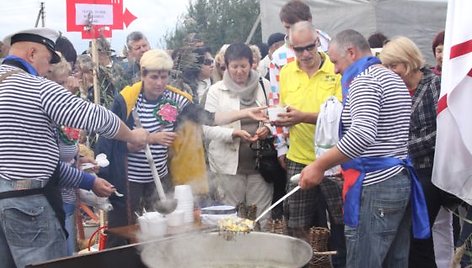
[(217, 22)]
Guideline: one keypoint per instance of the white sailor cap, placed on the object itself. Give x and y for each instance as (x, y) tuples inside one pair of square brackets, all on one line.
[(44, 36)]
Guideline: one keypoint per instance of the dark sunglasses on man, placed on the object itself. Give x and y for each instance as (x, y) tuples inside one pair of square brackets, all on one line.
[(308, 48)]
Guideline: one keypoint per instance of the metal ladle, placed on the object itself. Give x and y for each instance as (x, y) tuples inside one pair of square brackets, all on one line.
[(225, 228), (164, 205), (278, 202), (294, 179)]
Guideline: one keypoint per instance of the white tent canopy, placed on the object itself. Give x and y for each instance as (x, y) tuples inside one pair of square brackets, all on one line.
[(419, 20)]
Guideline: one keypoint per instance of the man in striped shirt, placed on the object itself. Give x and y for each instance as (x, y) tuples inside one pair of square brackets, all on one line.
[(373, 152), (31, 107)]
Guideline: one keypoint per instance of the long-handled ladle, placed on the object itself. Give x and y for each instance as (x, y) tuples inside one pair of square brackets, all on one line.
[(164, 205)]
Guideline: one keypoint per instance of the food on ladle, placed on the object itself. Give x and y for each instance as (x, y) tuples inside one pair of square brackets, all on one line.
[(236, 225)]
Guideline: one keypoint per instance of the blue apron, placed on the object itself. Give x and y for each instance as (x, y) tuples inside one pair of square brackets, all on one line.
[(352, 191), (355, 170)]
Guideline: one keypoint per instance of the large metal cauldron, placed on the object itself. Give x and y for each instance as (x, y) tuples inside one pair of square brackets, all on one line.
[(209, 250)]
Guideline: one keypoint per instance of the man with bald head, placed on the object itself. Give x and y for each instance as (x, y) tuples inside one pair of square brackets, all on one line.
[(305, 84), (381, 191), (31, 110)]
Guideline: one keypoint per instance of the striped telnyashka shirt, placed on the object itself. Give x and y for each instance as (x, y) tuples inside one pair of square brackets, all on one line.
[(30, 108), (376, 119), (138, 166)]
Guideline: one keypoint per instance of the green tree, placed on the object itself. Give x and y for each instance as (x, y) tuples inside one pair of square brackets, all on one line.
[(217, 22)]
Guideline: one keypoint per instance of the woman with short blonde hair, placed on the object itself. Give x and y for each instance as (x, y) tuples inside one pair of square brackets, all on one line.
[(59, 72), (220, 66), (403, 57), (256, 56), (402, 50)]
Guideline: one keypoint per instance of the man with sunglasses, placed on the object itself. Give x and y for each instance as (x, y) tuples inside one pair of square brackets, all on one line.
[(292, 12), (305, 84)]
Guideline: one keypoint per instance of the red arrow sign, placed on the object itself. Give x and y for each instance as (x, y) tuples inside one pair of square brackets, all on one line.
[(128, 18), (96, 17)]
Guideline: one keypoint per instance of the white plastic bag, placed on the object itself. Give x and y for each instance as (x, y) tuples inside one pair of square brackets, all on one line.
[(327, 129)]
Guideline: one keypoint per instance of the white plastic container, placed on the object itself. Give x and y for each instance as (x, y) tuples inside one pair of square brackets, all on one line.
[(175, 218), (184, 196), (274, 111), (211, 215), (152, 225)]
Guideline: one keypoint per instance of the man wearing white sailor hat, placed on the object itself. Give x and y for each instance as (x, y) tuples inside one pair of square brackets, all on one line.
[(31, 173), (36, 46)]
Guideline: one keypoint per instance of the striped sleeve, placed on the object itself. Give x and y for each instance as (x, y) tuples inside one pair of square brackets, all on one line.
[(66, 109), (71, 177)]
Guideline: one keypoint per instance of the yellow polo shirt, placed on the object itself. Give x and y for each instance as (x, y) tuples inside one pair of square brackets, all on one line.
[(306, 94)]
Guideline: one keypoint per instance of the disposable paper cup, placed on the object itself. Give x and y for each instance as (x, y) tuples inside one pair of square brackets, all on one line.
[(183, 192), (175, 218), (274, 112), (152, 224)]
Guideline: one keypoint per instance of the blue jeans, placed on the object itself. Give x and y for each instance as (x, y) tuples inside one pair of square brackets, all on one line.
[(30, 232), (69, 209), (382, 238)]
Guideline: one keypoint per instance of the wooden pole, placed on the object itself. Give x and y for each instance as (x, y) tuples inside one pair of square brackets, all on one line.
[(96, 88), (40, 15)]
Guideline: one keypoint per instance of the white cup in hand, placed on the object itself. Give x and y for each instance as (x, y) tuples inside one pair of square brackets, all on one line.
[(274, 112)]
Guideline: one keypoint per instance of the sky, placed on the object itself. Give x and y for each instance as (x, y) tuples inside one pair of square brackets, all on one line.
[(154, 19)]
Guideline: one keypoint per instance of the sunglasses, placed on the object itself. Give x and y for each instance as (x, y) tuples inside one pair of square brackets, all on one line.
[(208, 62), (308, 48)]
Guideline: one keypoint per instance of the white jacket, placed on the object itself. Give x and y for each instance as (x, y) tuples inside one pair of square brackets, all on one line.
[(223, 150)]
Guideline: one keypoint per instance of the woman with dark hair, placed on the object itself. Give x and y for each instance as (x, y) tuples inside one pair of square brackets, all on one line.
[(377, 40), (198, 75), (229, 153), (438, 46)]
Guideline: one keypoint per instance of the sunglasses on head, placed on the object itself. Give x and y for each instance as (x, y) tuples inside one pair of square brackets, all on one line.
[(308, 48), (208, 62)]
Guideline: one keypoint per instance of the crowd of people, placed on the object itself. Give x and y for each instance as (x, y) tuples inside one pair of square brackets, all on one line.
[(201, 113)]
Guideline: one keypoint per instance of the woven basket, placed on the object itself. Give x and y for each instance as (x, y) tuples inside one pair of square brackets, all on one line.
[(318, 239), (276, 226), (246, 211)]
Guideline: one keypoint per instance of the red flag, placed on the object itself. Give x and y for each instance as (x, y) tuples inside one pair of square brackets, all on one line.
[(452, 169)]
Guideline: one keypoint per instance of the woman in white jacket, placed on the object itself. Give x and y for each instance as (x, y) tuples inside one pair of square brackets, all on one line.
[(229, 154)]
